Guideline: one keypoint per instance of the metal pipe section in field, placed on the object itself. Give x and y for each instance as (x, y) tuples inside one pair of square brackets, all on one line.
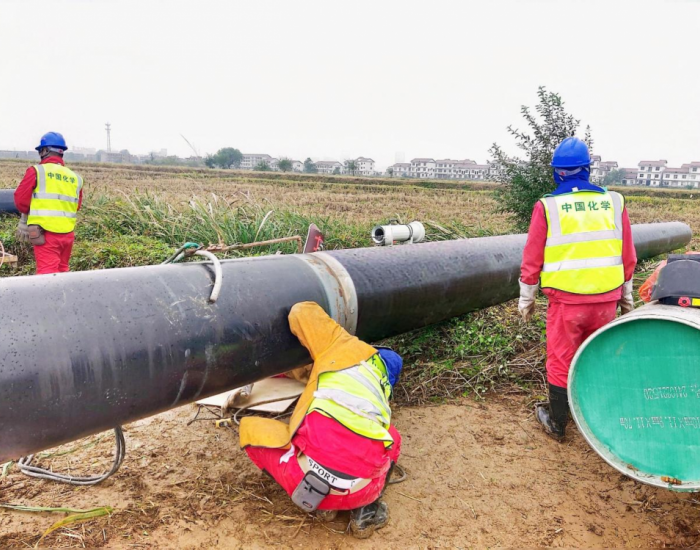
[(84, 352), (7, 201)]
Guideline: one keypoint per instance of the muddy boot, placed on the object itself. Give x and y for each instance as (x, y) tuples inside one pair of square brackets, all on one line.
[(551, 428), (366, 520), (554, 416), (326, 516)]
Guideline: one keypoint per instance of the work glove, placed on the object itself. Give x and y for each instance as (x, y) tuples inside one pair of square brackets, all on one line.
[(526, 304), (22, 229), (627, 300)]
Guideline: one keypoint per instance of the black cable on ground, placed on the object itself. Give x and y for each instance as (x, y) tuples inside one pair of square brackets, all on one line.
[(25, 466)]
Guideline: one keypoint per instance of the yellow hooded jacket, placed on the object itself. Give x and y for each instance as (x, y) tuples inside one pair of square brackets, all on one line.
[(331, 347)]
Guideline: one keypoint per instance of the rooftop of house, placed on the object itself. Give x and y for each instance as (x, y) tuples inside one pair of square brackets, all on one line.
[(402, 164), (653, 163), (413, 161), (363, 159), (682, 170)]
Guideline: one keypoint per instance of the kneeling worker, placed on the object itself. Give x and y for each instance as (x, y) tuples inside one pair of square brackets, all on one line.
[(579, 249), (339, 448)]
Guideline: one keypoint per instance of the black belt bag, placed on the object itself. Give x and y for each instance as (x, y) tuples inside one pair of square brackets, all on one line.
[(310, 492)]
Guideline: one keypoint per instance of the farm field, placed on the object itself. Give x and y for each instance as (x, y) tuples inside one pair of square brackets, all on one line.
[(485, 477)]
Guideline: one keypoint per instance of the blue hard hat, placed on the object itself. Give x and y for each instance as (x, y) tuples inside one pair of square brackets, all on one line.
[(52, 139), (571, 153), (393, 363)]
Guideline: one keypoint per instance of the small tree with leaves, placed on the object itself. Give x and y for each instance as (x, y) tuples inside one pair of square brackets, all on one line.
[(390, 171), (310, 166), (262, 166), (336, 171), (614, 177), (524, 180), (351, 167), (285, 165), (209, 161), (228, 157)]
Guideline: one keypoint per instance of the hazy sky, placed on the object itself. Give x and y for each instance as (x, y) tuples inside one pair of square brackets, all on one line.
[(336, 79)]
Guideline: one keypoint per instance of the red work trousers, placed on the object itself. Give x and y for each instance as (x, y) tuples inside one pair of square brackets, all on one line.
[(289, 474), (53, 256), (568, 326)]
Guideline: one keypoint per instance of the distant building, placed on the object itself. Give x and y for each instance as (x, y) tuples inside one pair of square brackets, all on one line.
[(122, 157), (605, 168), (297, 166), (365, 166), (401, 169), (329, 166), (650, 172), (452, 169), (629, 176), (688, 175), (18, 155), (423, 168), (250, 161)]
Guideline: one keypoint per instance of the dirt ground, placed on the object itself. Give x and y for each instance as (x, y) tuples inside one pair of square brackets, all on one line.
[(479, 474)]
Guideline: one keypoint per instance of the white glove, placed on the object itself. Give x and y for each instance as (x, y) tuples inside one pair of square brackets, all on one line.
[(627, 300), (526, 304), (22, 229)]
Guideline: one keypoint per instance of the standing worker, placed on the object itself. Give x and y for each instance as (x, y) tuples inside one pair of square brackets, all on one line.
[(580, 252), (48, 199), (339, 448)]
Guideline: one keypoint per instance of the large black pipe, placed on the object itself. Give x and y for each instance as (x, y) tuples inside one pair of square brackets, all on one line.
[(7, 201), (84, 352)]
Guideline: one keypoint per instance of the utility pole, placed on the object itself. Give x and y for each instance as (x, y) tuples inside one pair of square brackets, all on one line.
[(108, 127)]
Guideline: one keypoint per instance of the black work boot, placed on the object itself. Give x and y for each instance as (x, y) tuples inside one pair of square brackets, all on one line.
[(554, 416), (366, 520)]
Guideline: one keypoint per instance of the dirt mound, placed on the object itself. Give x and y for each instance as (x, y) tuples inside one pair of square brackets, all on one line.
[(478, 475)]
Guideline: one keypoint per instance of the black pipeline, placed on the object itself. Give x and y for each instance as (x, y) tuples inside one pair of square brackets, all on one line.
[(7, 201), (85, 352)]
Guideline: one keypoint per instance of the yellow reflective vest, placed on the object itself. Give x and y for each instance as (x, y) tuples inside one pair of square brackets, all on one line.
[(54, 203), (358, 398), (583, 254)]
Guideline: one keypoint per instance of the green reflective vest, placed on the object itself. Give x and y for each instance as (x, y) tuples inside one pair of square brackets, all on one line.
[(54, 203), (358, 398), (583, 254)]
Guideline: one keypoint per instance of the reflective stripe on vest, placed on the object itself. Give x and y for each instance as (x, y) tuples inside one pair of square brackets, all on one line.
[(583, 252), (55, 200), (358, 398)]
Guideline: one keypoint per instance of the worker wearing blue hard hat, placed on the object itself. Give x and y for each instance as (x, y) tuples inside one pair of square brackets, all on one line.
[(580, 252), (48, 199)]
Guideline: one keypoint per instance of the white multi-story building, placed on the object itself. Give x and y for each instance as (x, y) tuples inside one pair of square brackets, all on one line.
[(650, 172), (605, 168), (329, 166), (477, 172), (401, 169), (687, 175), (423, 168), (251, 161), (365, 166), (629, 176), (297, 166), (452, 169)]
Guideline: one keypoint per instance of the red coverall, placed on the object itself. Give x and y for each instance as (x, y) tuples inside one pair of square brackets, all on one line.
[(335, 447), (52, 256), (571, 318)]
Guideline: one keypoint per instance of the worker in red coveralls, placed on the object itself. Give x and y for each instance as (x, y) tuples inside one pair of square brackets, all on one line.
[(580, 252), (339, 448), (48, 199)]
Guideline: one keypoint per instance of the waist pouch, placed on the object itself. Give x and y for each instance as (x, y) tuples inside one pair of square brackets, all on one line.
[(310, 492), (36, 235), (339, 482)]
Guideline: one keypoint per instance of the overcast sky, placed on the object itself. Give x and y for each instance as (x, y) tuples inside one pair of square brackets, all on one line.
[(336, 79)]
